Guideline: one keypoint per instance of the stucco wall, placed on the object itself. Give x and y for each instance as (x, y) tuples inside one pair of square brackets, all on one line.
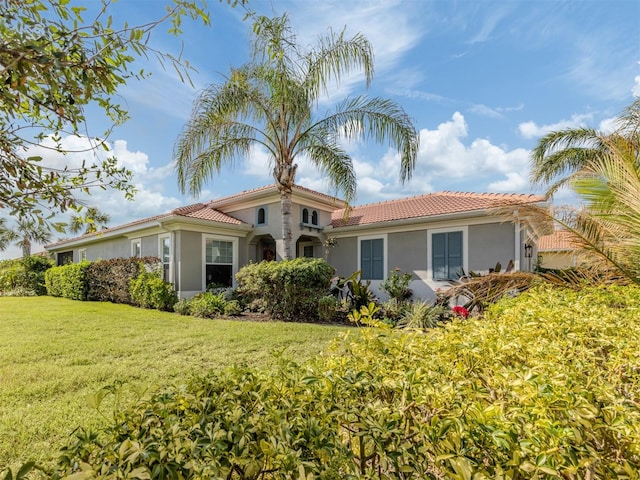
[(489, 244), (407, 251), (116, 248), (190, 257), (344, 257)]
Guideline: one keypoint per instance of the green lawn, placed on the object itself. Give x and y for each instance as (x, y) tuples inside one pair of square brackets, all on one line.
[(56, 352)]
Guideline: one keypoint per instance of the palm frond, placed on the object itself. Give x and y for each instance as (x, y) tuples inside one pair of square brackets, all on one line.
[(379, 119)]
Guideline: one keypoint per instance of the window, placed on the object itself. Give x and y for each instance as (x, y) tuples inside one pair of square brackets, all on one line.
[(218, 262), (165, 257), (372, 259), (446, 255), (65, 258), (136, 248), (307, 251), (261, 216), (309, 217), (82, 254)]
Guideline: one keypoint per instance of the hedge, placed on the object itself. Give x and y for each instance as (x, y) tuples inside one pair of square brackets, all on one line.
[(288, 290), (547, 385), (110, 280), (68, 281), (25, 275)]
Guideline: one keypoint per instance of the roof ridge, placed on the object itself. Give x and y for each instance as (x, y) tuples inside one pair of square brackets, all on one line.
[(447, 193)]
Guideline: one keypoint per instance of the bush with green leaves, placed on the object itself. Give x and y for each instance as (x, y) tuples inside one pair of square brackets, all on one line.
[(207, 305), (232, 308), (182, 307), (110, 280), (289, 290), (422, 315), (149, 290), (545, 386), (24, 276), (397, 285), (68, 281)]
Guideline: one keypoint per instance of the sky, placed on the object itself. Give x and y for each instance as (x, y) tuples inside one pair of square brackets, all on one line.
[(482, 80)]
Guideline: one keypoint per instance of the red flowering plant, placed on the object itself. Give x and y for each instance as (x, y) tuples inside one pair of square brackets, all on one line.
[(461, 312)]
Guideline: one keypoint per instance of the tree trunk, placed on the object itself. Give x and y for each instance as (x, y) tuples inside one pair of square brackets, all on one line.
[(26, 248), (285, 210)]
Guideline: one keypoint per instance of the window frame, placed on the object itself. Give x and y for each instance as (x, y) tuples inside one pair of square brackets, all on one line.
[(82, 255), (169, 262), (266, 216), (385, 255), (134, 242), (234, 256), (464, 230)]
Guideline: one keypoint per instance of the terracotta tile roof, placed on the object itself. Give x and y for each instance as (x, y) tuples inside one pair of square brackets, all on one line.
[(431, 204), (208, 213), (197, 210), (560, 240), (266, 188)]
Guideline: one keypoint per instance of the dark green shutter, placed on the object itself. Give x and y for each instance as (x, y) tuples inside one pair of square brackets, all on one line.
[(446, 255), (372, 259)]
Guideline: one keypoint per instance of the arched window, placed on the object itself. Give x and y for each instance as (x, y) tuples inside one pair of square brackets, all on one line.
[(305, 215), (262, 216), (314, 218)]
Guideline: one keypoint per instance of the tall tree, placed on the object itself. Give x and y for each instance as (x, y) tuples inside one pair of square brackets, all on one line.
[(53, 64), (25, 233), (603, 169), (272, 102), (92, 221)]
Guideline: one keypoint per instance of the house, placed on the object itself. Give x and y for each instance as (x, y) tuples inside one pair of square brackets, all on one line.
[(558, 250), (435, 236)]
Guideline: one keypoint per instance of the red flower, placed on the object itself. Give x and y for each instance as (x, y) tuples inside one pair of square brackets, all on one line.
[(461, 312)]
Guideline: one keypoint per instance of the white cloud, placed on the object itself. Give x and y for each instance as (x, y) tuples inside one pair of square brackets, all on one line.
[(446, 160), (515, 182), (533, 130), (148, 181)]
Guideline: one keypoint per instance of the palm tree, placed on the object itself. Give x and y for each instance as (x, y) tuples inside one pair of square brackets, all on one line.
[(93, 221), (5, 234), (25, 233), (272, 102), (603, 169)]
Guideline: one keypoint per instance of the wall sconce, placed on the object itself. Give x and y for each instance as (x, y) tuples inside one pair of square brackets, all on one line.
[(528, 250)]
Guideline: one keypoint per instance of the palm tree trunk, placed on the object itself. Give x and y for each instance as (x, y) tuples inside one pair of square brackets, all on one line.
[(285, 210), (26, 248)]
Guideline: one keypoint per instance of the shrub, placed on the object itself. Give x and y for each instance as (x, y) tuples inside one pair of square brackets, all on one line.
[(207, 305), (68, 281), (109, 280), (355, 292), (182, 307), (24, 276), (232, 308), (533, 390), (328, 308), (397, 285), (289, 290), (422, 315), (148, 290)]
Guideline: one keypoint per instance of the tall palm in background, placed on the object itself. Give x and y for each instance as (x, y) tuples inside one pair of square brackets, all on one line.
[(603, 169), (91, 222), (25, 233), (272, 103)]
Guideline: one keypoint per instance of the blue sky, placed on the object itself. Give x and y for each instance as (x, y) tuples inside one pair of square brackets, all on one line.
[(483, 80)]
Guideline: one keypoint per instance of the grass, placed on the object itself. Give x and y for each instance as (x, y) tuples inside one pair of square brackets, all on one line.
[(55, 353)]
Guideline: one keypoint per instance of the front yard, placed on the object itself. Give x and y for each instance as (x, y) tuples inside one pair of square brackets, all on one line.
[(54, 353)]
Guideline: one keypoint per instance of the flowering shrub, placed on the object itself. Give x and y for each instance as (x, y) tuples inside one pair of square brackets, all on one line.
[(461, 312)]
